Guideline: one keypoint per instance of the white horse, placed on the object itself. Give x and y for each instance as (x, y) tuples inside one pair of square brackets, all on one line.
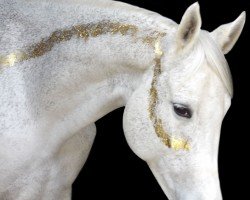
[(66, 63)]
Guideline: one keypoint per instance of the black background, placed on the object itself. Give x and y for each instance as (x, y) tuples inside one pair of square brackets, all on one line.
[(113, 171)]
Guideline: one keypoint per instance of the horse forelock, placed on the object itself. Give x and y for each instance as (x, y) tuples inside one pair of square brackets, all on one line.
[(216, 60), (205, 49)]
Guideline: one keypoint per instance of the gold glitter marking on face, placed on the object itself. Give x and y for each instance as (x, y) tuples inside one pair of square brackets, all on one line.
[(81, 31), (169, 141)]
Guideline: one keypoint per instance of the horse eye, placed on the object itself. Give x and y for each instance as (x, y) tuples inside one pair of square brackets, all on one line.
[(182, 111)]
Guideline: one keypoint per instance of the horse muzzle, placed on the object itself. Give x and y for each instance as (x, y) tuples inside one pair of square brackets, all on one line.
[(189, 184)]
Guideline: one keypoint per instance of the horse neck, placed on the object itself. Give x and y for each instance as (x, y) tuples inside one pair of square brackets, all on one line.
[(119, 58), (97, 70)]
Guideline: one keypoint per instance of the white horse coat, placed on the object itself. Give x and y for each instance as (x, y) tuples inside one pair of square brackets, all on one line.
[(65, 64)]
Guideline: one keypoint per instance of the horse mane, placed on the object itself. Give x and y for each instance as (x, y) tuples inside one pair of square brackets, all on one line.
[(216, 60)]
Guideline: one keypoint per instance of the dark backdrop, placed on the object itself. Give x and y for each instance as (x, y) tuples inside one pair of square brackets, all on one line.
[(113, 171)]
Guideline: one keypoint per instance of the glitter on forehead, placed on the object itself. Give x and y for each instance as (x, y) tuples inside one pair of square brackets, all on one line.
[(169, 141)]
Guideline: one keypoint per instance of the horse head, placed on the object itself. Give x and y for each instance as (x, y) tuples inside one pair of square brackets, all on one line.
[(173, 120)]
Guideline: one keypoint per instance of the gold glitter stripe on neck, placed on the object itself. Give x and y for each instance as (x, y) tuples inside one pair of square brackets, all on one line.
[(169, 141), (80, 31)]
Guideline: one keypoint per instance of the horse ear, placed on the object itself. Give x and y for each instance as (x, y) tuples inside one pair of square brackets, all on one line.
[(226, 35), (189, 27)]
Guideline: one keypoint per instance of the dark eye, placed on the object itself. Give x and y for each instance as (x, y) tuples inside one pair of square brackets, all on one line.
[(182, 110)]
